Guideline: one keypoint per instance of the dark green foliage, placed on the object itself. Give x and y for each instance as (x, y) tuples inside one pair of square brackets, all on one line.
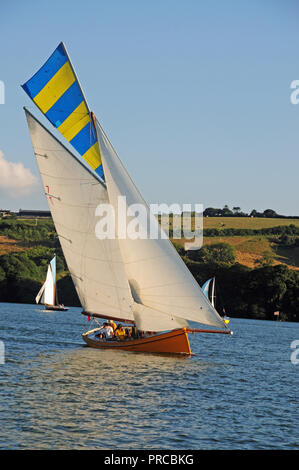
[(21, 273), (221, 254), (250, 293), (290, 230), (67, 292)]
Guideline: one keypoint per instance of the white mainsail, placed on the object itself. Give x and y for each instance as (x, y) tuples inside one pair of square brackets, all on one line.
[(158, 277), (73, 194), (47, 292)]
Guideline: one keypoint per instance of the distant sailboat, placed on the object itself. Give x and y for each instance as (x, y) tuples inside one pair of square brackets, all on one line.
[(140, 282), (209, 289), (48, 292)]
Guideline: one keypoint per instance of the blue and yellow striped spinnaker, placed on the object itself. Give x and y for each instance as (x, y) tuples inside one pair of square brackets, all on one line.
[(56, 91)]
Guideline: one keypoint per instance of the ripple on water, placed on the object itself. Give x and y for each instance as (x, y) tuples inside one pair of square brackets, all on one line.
[(238, 392)]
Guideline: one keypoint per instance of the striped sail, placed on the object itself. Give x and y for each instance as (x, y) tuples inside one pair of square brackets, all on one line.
[(56, 91), (205, 287)]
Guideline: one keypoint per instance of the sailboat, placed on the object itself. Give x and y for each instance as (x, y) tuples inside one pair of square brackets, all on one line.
[(48, 292), (209, 289), (141, 282)]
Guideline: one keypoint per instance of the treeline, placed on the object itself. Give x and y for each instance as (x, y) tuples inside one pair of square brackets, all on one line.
[(291, 231), (236, 212), (249, 293)]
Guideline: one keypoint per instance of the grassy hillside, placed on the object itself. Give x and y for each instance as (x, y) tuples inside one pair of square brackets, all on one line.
[(253, 249)]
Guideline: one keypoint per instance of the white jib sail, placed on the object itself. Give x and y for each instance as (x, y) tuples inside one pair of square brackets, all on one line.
[(73, 194), (159, 279), (39, 295), (148, 319), (49, 291)]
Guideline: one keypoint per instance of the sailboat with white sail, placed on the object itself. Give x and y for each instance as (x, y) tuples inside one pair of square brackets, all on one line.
[(48, 292), (209, 289), (140, 282)]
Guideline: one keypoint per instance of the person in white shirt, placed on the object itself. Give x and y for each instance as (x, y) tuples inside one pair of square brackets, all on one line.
[(106, 331)]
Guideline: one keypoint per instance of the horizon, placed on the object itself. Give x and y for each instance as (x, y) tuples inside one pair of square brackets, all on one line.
[(196, 98), (247, 214)]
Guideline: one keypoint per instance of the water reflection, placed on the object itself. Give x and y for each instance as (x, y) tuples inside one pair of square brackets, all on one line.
[(57, 393), (103, 399)]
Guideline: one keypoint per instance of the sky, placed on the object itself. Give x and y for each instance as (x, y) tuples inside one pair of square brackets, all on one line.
[(194, 95)]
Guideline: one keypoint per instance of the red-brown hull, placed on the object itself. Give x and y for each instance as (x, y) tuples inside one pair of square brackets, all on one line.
[(173, 342)]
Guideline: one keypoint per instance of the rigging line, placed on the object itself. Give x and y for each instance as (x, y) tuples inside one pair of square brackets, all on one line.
[(78, 277), (41, 155), (51, 195), (69, 179), (68, 239)]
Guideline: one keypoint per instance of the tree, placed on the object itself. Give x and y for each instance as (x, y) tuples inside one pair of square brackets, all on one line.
[(218, 253), (269, 213), (226, 211)]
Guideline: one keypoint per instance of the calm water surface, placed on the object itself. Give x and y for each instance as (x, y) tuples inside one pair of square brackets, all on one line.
[(238, 392)]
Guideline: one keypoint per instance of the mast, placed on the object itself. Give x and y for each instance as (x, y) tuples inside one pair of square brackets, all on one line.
[(213, 297)]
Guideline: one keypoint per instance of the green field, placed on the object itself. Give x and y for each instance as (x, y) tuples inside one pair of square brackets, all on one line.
[(255, 223)]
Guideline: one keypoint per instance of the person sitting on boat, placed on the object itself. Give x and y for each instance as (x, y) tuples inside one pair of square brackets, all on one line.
[(120, 332), (106, 332), (111, 323)]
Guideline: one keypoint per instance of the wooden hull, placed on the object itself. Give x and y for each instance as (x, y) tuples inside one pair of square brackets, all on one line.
[(56, 308), (172, 342)]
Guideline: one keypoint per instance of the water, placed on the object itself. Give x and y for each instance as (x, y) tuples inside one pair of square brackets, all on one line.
[(237, 392)]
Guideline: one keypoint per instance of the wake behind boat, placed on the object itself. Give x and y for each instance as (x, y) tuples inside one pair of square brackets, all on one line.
[(142, 281), (48, 292)]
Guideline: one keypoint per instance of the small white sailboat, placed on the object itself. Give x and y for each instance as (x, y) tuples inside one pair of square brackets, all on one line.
[(141, 282), (48, 292), (209, 289)]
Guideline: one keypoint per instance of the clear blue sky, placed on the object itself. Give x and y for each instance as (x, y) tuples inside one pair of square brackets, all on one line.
[(194, 95)]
